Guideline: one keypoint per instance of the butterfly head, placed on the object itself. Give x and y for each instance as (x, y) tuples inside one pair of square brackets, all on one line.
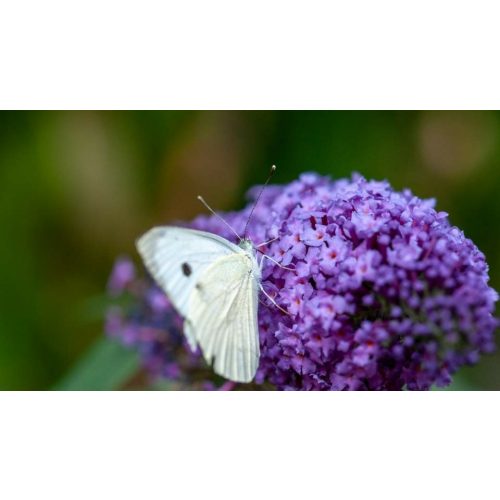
[(246, 244)]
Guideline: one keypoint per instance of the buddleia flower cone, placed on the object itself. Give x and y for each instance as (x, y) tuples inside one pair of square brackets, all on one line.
[(385, 294)]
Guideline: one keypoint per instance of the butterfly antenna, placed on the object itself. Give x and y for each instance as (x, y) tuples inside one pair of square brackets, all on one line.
[(271, 173), (219, 217)]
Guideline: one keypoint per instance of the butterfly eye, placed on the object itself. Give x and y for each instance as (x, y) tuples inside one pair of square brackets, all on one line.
[(186, 269)]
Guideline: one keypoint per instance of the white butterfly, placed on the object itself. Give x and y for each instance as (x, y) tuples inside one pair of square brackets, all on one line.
[(214, 285)]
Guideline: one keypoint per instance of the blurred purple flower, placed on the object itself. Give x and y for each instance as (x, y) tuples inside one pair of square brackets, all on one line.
[(122, 275), (386, 294)]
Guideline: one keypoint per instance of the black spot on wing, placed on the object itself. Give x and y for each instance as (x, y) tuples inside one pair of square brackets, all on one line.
[(186, 269)]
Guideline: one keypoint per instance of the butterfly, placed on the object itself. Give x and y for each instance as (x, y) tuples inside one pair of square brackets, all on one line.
[(214, 284)]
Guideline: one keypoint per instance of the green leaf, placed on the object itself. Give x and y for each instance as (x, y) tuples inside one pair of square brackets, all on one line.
[(106, 366)]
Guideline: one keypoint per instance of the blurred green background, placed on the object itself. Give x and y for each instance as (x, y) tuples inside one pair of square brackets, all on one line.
[(77, 188)]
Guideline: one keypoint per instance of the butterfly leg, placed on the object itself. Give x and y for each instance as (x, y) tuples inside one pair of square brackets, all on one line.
[(272, 300), (266, 242), (264, 256)]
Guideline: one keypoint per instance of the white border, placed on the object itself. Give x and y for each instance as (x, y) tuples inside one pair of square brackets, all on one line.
[(249, 445), (266, 54)]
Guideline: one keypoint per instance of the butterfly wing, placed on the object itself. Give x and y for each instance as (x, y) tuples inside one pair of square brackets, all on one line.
[(223, 316), (177, 258)]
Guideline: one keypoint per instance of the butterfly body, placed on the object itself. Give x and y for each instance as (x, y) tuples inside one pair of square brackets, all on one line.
[(214, 285)]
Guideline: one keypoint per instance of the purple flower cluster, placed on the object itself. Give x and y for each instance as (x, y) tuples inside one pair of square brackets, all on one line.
[(385, 293)]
